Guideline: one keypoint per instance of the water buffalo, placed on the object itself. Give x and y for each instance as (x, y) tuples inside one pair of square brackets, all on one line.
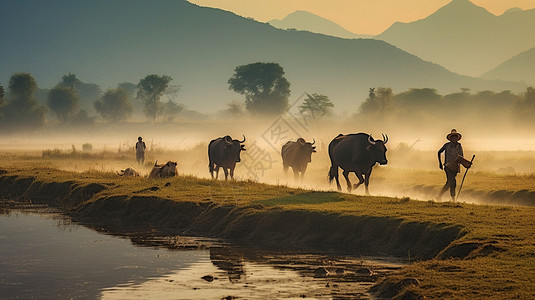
[(356, 153), (297, 155), (166, 170), (224, 152)]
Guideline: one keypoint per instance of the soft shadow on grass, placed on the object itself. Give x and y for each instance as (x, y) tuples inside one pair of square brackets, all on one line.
[(304, 198)]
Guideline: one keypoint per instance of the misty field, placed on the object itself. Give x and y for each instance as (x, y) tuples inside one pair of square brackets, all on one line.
[(495, 178), (460, 250)]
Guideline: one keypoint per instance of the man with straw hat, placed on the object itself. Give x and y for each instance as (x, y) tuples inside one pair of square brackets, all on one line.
[(453, 156)]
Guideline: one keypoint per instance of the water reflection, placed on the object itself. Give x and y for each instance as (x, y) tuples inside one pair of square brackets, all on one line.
[(46, 259), (47, 256)]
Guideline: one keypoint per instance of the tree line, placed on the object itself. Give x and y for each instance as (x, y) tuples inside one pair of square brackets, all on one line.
[(264, 86), (266, 92), (425, 105)]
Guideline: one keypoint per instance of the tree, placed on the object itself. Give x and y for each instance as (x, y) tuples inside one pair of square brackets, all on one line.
[(21, 110), (316, 106), (63, 101), (379, 105), (265, 88), (129, 88), (70, 80), (150, 90), (114, 105), (171, 110), (87, 92), (2, 95), (524, 108)]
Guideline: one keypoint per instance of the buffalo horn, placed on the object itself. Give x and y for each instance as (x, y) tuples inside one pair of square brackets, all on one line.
[(313, 141), (385, 138), (228, 140), (370, 140), (243, 140)]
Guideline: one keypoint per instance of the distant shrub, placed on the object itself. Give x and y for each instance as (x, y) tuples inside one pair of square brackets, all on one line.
[(87, 147)]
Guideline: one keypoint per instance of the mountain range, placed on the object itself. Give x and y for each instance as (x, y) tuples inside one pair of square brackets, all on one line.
[(519, 68), (465, 38), (109, 42), (304, 20)]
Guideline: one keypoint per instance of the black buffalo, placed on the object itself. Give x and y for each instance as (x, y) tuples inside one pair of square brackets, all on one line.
[(224, 152), (356, 153), (297, 155)]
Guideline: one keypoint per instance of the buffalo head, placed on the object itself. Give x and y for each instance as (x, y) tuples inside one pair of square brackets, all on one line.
[(234, 147), (307, 148), (377, 149)]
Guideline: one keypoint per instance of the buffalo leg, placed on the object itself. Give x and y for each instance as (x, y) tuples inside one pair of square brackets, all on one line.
[(346, 176), (367, 180), (285, 169), (226, 173), (361, 179), (338, 186), (231, 173), (216, 171), (296, 174), (333, 173)]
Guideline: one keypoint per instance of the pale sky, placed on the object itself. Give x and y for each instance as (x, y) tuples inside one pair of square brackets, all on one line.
[(358, 16)]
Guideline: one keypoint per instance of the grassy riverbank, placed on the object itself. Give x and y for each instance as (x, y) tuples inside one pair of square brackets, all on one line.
[(461, 250)]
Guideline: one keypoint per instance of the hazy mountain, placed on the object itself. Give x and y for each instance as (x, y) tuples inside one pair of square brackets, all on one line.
[(519, 68), (465, 38), (304, 20), (109, 42)]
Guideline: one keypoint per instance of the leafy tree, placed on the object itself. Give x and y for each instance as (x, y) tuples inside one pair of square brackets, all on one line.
[(265, 88), (82, 118), (418, 103), (22, 111), (171, 110), (63, 101), (316, 106), (379, 105), (87, 92), (2, 94), (150, 90), (70, 80), (129, 88), (114, 105), (418, 98), (2, 102), (524, 108)]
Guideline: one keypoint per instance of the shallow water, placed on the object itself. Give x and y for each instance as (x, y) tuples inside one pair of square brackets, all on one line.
[(44, 255)]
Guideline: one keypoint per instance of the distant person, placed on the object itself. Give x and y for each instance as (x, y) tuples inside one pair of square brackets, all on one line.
[(140, 151), (452, 159)]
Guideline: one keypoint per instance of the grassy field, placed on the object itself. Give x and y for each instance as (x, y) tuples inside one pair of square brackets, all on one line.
[(491, 257)]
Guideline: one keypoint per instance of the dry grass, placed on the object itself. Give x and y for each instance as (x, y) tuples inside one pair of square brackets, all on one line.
[(505, 272)]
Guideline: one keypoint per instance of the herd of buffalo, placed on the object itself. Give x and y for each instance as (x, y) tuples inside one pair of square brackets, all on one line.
[(356, 153)]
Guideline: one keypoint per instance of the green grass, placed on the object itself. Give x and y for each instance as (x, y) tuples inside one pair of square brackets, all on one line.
[(505, 272)]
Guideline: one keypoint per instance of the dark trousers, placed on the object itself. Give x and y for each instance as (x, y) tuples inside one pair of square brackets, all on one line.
[(140, 157), (451, 183)]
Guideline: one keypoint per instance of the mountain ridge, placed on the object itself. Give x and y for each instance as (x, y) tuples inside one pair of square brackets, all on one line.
[(304, 20), (108, 42), (464, 37), (521, 67)]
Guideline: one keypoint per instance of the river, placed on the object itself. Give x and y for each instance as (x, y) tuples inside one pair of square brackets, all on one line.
[(44, 255)]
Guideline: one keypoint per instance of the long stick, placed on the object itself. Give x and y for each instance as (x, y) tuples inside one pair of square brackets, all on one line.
[(461, 187)]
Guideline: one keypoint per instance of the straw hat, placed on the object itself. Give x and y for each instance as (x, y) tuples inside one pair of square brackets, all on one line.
[(453, 132)]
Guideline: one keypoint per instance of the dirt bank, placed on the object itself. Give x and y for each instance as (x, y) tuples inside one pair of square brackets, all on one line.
[(363, 235), (488, 242)]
